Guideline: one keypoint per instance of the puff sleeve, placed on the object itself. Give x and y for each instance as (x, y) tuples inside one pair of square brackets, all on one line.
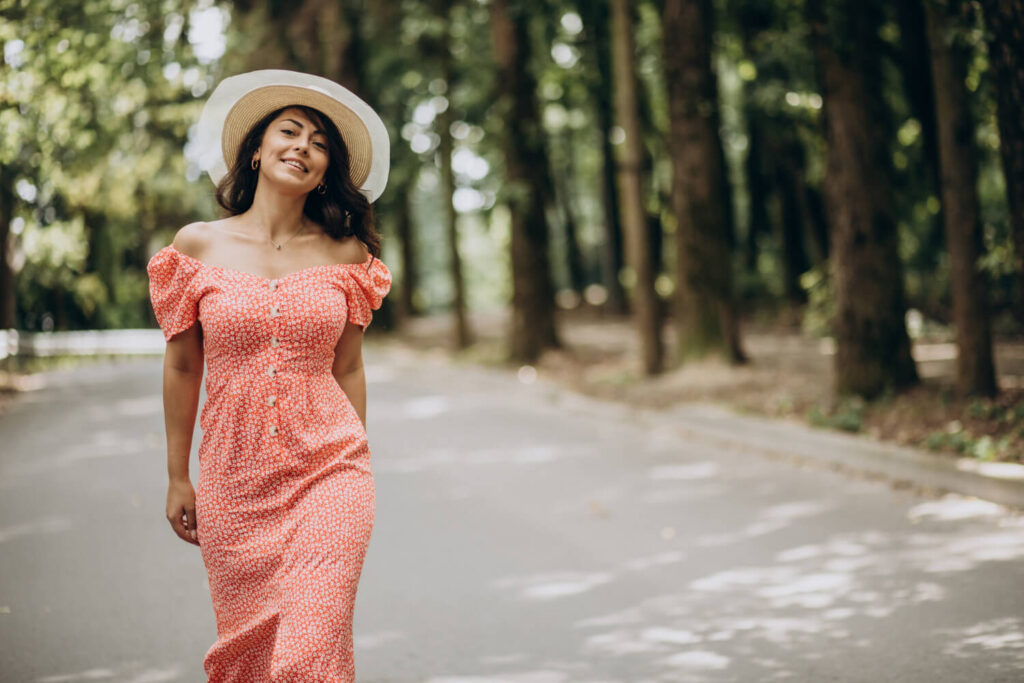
[(173, 291), (365, 286)]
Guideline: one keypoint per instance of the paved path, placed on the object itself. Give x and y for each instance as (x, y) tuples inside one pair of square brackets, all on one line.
[(520, 537)]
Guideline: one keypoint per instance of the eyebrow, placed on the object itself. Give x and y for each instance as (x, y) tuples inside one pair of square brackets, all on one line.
[(299, 124)]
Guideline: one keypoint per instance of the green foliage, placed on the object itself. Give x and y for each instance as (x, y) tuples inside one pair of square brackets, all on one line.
[(820, 308), (99, 98), (956, 438), (848, 415)]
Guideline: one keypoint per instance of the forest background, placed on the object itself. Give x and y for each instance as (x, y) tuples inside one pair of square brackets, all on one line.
[(791, 206)]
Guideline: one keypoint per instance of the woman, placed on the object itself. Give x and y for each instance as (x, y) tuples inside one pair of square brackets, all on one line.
[(282, 290)]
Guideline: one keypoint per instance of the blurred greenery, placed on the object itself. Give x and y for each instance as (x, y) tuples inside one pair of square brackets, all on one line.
[(98, 96)]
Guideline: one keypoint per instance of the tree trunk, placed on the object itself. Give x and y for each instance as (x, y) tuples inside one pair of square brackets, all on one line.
[(913, 53), (563, 193), (872, 345), (442, 51), (533, 312), (792, 228), (959, 177), (634, 218), (758, 222), (403, 220), (706, 317), (8, 301), (1005, 22), (596, 23)]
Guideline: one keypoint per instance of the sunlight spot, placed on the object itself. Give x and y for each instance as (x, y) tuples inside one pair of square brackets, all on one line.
[(425, 407), (554, 584), (700, 470), (47, 525), (670, 635), (87, 675), (519, 677), (527, 374), (369, 641), (698, 659), (955, 507), (619, 643), (656, 560)]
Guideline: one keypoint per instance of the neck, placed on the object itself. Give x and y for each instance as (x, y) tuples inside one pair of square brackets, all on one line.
[(276, 215)]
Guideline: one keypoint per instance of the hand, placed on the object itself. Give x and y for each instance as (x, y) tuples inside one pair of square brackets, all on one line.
[(181, 510)]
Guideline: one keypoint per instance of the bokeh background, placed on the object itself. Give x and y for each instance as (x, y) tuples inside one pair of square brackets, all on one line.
[(809, 209)]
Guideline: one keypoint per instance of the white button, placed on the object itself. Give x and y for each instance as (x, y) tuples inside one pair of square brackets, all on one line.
[(271, 370), (271, 400), (274, 312), (273, 429), (274, 341), (273, 285)]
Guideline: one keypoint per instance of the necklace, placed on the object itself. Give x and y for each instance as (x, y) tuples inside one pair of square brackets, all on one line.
[(278, 246)]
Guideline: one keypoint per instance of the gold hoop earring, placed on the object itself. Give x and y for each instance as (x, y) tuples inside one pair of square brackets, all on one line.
[(255, 164), (321, 188)]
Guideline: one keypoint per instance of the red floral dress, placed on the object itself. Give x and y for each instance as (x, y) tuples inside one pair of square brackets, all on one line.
[(285, 495)]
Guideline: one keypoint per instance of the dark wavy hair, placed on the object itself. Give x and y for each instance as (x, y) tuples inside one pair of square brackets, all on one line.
[(343, 210)]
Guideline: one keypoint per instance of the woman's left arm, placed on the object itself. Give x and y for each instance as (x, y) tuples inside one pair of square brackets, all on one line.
[(348, 368)]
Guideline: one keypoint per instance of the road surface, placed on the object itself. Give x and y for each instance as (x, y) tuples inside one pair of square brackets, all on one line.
[(520, 537)]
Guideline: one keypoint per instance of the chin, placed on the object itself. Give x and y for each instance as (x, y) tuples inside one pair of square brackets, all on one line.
[(291, 185)]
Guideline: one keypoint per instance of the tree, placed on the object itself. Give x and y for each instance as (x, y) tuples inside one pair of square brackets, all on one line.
[(634, 218), (961, 218), (436, 45), (872, 345), (1005, 22), (706, 319), (96, 103), (525, 190), (597, 43)]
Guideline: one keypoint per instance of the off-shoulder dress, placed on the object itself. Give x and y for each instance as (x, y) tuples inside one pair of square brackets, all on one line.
[(285, 495)]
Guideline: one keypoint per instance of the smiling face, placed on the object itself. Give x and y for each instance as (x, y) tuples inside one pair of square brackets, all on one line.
[(293, 153)]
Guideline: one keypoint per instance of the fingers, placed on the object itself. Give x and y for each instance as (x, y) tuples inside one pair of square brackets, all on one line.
[(190, 521), (184, 525)]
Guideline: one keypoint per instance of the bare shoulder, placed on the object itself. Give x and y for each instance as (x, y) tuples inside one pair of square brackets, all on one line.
[(350, 250), (193, 239)]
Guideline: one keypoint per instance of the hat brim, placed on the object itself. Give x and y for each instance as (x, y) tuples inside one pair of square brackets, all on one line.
[(240, 102)]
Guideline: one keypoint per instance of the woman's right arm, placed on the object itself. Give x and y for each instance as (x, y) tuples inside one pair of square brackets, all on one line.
[(183, 376)]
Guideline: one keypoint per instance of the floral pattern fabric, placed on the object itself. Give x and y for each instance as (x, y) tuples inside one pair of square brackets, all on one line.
[(285, 495)]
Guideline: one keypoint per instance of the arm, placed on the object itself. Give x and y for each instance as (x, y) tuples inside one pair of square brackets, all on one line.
[(348, 368), (183, 376)]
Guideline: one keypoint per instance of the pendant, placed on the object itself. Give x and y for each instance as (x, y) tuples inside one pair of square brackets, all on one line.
[(278, 247)]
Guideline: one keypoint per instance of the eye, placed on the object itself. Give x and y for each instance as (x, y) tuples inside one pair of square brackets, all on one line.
[(321, 145), (287, 130)]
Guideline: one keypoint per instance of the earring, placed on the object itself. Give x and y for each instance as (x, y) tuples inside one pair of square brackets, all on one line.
[(255, 164), (321, 188)]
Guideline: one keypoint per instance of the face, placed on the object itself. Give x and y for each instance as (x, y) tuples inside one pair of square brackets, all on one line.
[(293, 153)]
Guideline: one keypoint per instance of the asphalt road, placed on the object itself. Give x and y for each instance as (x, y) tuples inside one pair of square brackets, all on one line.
[(520, 537)]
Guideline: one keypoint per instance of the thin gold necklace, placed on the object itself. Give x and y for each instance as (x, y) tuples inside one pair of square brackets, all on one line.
[(278, 246)]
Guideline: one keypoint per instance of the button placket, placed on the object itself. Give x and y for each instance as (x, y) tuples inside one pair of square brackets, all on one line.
[(275, 342)]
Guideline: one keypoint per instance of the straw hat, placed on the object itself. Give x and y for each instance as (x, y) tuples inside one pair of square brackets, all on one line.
[(239, 102)]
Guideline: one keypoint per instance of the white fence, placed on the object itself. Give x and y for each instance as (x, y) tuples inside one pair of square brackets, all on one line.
[(81, 343)]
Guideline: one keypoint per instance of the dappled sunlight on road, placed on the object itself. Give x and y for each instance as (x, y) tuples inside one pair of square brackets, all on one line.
[(822, 595), (510, 677), (127, 674), (51, 524), (551, 585), (985, 636)]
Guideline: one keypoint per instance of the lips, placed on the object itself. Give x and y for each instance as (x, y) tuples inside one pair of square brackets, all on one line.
[(296, 164)]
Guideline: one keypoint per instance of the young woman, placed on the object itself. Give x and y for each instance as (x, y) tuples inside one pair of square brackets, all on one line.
[(275, 298)]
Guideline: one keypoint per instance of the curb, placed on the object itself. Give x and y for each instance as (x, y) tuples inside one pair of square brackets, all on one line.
[(998, 482)]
